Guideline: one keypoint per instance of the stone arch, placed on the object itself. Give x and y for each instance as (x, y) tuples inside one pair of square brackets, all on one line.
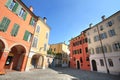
[(37, 61), (5, 43), (21, 45), (15, 57)]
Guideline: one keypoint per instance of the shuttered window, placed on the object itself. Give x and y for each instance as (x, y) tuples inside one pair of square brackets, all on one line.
[(27, 36), (32, 21), (35, 42), (15, 7), (4, 24), (12, 5), (45, 47), (15, 30)]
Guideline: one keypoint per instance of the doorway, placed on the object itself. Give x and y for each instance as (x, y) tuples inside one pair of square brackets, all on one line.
[(15, 58), (94, 66), (78, 65)]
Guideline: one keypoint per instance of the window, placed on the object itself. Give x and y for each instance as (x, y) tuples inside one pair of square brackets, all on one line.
[(98, 50), (105, 49), (86, 49), (12, 5), (27, 36), (91, 51), (87, 59), (89, 41), (54, 49), (111, 32), (50, 49), (116, 46), (101, 62), (74, 58), (21, 13), (45, 47), (101, 28), (15, 30), (80, 50), (95, 30), (77, 51), (86, 40), (110, 23), (88, 33), (4, 24), (46, 35), (32, 21), (103, 35), (80, 41), (35, 42), (110, 62), (118, 18), (38, 29), (81, 60), (96, 38)]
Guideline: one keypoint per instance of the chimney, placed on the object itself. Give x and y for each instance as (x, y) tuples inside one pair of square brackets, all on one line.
[(31, 8), (103, 17), (45, 19), (90, 25)]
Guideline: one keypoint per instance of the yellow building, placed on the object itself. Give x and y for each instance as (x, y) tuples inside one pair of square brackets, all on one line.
[(37, 57), (61, 52)]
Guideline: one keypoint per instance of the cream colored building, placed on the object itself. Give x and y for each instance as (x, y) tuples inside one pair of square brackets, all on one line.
[(104, 45), (37, 56), (61, 60)]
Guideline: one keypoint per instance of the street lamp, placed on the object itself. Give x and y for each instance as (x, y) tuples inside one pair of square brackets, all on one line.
[(103, 50)]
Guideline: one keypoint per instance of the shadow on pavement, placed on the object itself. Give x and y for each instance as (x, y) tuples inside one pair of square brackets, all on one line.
[(85, 75)]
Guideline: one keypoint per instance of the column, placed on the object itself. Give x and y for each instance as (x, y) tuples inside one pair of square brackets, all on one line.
[(3, 60), (24, 61)]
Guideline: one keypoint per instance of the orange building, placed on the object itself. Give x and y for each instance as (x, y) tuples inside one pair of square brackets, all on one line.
[(79, 57), (17, 24)]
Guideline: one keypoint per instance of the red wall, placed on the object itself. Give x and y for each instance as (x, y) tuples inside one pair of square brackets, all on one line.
[(85, 65), (11, 40)]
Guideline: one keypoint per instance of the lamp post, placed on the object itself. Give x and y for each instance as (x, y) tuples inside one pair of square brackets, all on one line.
[(103, 50)]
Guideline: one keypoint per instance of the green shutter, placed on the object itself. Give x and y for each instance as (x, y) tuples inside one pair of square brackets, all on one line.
[(25, 15), (26, 35), (8, 2), (18, 9), (31, 21), (15, 7), (15, 30), (4, 24)]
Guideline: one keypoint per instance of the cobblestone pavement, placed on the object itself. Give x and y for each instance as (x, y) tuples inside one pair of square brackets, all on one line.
[(58, 74)]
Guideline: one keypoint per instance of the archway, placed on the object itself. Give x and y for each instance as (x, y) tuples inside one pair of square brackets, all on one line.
[(37, 61), (78, 65), (15, 58), (2, 47), (94, 66)]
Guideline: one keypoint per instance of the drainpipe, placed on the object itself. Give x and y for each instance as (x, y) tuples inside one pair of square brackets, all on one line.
[(103, 51)]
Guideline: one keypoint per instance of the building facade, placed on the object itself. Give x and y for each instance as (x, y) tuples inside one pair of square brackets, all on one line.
[(38, 52), (79, 57), (61, 52), (17, 25), (104, 45)]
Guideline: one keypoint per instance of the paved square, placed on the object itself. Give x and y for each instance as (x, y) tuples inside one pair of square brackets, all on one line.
[(58, 74)]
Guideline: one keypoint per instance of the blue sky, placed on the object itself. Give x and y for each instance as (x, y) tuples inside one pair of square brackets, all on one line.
[(67, 18)]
